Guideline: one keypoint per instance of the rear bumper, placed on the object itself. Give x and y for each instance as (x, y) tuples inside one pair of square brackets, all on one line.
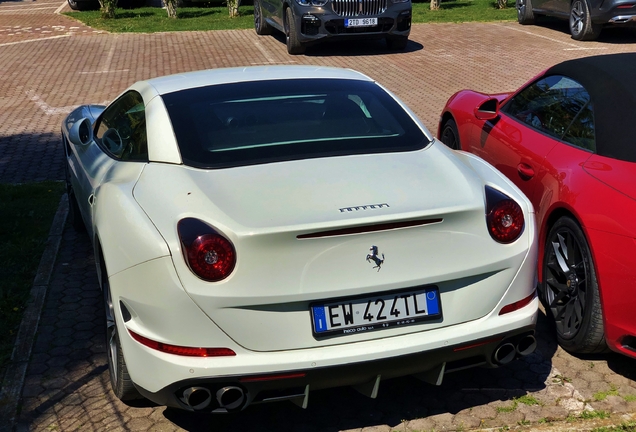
[(295, 385), (614, 12)]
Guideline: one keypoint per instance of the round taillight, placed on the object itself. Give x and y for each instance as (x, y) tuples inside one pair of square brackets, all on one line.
[(505, 221), (211, 257)]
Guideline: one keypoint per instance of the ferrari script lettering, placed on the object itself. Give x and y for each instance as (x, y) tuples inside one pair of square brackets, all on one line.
[(363, 207)]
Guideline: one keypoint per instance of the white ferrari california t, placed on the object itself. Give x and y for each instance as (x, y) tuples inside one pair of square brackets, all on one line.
[(263, 232)]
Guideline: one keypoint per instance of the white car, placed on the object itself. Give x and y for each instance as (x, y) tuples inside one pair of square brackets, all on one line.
[(263, 232)]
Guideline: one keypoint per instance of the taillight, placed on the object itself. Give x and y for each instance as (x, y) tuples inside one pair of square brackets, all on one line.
[(518, 304), (181, 350), (504, 217), (209, 254)]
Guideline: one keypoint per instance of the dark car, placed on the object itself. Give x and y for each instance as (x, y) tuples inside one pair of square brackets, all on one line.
[(587, 17), (305, 22)]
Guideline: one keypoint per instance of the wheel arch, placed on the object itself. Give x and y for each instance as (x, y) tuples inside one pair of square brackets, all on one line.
[(446, 116)]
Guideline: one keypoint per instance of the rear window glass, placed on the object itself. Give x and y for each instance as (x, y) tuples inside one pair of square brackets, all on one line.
[(268, 121)]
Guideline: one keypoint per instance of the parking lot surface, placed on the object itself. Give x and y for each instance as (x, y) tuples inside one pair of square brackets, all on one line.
[(50, 63)]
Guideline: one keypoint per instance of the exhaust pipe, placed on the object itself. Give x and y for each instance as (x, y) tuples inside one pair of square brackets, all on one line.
[(197, 398), (230, 397), (526, 345), (505, 353)]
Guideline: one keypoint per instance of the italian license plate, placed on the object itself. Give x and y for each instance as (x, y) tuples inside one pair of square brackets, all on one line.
[(361, 22), (362, 314)]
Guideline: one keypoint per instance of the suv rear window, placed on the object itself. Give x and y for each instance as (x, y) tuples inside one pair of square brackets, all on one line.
[(268, 121)]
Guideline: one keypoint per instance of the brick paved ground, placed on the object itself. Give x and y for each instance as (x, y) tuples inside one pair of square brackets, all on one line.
[(49, 63)]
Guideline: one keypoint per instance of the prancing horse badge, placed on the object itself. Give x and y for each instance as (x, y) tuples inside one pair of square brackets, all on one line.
[(373, 256)]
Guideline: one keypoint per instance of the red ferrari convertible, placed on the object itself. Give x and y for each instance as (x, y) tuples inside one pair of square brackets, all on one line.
[(567, 139)]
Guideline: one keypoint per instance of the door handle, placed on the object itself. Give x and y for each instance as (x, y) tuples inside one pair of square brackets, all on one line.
[(525, 171)]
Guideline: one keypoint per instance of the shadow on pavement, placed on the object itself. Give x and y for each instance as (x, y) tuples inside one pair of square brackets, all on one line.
[(352, 48)]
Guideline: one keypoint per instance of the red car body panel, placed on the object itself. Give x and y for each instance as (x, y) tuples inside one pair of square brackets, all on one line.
[(558, 178)]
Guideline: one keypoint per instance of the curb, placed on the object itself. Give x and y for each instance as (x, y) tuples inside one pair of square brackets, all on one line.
[(16, 370)]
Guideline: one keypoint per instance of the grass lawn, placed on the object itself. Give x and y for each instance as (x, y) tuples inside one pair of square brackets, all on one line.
[(153, 19), (26, 214)]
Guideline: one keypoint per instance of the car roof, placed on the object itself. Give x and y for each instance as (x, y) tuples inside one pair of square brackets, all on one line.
[(187, 80), (609, 79)]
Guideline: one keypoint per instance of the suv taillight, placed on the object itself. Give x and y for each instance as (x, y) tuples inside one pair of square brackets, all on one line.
[(209, 254), (504, 217)]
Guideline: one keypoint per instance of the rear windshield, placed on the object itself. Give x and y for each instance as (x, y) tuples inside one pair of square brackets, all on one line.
[(268, 121)]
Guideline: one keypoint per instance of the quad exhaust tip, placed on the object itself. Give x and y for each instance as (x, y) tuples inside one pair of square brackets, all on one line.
[(230, 397), (507, 351), (197, 398)]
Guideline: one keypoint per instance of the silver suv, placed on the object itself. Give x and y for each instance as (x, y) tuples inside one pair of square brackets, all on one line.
[(305, 22)]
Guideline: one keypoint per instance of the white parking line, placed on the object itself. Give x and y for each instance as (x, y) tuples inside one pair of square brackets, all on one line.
[(34, 40), (105, 71), (48, 110), (23, 9), (265, 52), (575, 47), (59, 9)]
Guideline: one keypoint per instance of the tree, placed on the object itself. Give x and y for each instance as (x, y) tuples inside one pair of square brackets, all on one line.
[(171, 7), (435, 4), (501, 4), (233, 6), (108, 8)]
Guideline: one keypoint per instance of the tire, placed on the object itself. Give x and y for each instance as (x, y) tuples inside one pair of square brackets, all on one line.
[(525, 15), (581, 27), (120, 381), (74, 215), (260, 25), (397, 43), (294, 46), (450, 135), (83, 5), (570, 289)]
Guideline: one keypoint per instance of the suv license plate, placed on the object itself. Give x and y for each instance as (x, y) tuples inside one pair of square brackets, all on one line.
[(361, 22), (362, 314)]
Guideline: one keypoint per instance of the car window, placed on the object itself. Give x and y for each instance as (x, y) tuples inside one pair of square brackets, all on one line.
[(558, 106), (260, 122), (121, 129)]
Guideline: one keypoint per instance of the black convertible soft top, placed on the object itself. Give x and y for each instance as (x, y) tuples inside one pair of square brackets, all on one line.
[(611, 83)]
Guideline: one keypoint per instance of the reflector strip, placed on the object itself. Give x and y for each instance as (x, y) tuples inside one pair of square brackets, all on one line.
[(518, 304), (370, 228), (478, 344), (273, 377), (182, 351)]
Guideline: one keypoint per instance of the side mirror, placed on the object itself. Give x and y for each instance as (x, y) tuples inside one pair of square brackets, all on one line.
[(81, 132), (488, 110)]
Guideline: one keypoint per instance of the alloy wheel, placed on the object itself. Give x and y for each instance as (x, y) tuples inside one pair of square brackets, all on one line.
[(257, 14), (111, 334), (577, 17), (521, 9), (449, 138), (567, 276)]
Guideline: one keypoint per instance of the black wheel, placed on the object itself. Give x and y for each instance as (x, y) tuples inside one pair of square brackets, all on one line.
[(291, 33), (525, 15), (73, 4), (581, 27), (570, 289), (397, 42), (450, 135), (120, 381), (260, 25)]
